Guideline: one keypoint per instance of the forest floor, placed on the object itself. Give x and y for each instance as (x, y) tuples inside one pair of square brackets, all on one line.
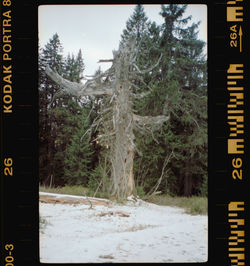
[(78, 229)]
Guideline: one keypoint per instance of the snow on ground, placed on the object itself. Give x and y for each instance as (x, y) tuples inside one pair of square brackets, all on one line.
[(135, 232)]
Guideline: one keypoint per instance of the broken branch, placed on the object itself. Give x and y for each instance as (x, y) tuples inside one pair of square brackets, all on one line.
[(105, 60), (149, 69), (77, 89), (150, 120)]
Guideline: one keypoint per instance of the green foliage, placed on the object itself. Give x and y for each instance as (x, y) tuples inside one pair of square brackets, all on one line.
[(99, 181), (176, 88), (78, 153), (198, 206), (192, 205), (136, 25), (95, 178), (51, 55), (76, 190), (65, 155), (204, 186), (140, 192)]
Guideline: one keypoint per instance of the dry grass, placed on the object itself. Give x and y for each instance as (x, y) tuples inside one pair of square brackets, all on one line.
[(193, 205), (70, 190)]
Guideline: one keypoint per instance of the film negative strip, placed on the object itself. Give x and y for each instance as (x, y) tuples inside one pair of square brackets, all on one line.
[(231, 138), (19, 194), (228, 108)]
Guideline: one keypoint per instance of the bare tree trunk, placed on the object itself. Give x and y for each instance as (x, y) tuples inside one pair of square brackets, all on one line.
[(122, 156)]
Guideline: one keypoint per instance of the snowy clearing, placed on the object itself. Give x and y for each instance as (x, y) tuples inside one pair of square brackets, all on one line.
[(135, 232)]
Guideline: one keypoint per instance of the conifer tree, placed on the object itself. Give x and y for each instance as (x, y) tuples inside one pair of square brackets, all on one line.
[(180, 86), (78, 153), (62, 121), (185, 99), (51, 54), (74, 67), (135, 26)]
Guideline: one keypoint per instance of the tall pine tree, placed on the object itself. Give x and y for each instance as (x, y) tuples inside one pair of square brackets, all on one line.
[(179, 86), (185, 99), (63, 121), (51, 54)]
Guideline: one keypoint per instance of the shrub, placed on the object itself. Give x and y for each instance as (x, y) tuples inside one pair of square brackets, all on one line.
[(192, 205), (140, 192)]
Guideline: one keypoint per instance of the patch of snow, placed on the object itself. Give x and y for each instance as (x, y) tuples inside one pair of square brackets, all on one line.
[(65, 196), (146, 233)]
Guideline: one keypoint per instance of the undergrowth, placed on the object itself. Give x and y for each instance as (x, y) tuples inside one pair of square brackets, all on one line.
[(70, 190), (193, 205)]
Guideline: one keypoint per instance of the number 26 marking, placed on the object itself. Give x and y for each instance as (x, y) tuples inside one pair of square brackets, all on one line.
[(8, 169)]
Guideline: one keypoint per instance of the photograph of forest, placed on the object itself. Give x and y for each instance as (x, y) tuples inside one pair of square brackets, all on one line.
[(134, 130)]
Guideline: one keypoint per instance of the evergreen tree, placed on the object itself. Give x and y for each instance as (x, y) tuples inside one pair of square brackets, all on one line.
[(135, 26), (63, 121), (52, 55), (74, 67), (137, 29), (77, 152), (73, 152), (186, 102), (178, 84)]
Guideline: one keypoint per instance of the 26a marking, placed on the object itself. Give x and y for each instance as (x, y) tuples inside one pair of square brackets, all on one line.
[(234, 35)]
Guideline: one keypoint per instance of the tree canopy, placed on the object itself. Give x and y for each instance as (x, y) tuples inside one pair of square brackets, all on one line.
[(171, 82)]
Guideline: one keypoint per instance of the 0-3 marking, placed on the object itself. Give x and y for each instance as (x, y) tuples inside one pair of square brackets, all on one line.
[(9, 259)]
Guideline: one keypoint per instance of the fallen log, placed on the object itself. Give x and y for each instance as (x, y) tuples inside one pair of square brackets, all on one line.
[(72, 200)]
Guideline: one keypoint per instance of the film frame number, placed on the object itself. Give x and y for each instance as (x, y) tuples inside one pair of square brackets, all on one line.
[(8, 169), (9, 259), (233, 36)]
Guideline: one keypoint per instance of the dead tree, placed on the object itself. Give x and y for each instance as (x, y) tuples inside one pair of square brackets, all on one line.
[(117, 83)]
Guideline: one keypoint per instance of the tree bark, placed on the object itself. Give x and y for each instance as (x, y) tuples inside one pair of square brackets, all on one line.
[(122, 156)]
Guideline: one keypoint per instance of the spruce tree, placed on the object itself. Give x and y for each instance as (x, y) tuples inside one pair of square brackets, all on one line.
[(185, 99), (78, 153), (51, 54), (74, 151), (74, 67), (135, 26), (63, 120), (179, 85)]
